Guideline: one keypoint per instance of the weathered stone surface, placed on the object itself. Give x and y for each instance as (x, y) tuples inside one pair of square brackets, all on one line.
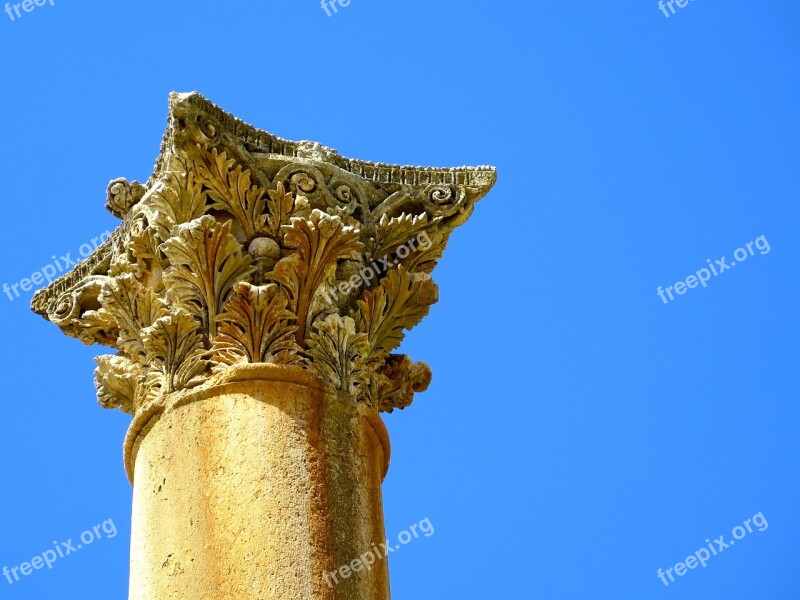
[(245, 248), (255, 293), (256, 487)]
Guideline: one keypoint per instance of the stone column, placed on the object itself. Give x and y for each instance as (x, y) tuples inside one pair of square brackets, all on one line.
[(258, 487), (255, 292)]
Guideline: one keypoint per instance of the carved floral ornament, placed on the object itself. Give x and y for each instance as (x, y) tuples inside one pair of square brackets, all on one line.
[(232, 251)]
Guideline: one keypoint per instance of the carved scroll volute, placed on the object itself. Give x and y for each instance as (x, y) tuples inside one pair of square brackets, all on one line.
[(122, 195)]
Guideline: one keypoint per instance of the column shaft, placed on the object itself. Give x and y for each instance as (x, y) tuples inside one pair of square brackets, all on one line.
[(254, 489)]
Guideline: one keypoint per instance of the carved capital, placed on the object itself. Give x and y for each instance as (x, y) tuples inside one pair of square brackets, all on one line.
[(245, 248)]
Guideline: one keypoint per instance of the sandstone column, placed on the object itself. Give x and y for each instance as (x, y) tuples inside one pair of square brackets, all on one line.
[(254, 293)]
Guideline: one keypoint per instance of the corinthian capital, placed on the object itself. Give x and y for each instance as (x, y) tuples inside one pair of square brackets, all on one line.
[(246, 248)]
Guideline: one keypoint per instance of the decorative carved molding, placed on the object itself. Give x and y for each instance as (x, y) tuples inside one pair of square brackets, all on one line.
[(122, 195), (245, 248)]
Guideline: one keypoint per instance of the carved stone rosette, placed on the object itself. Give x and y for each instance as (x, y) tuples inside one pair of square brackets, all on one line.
[(246, 248)]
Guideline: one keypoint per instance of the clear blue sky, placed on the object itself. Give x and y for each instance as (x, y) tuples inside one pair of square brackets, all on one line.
[(580, 433)]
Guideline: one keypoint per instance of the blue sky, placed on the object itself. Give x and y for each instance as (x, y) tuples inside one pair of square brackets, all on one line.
[(580, 433)]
